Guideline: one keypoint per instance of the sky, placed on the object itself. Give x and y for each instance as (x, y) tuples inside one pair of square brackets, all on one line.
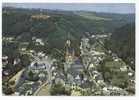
[(101, 7)]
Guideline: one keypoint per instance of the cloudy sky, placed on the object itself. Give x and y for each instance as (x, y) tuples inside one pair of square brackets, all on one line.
[(103, 7)]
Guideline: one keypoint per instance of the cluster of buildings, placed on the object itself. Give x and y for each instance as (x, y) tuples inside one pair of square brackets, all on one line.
[(80, 76), (38, 41)]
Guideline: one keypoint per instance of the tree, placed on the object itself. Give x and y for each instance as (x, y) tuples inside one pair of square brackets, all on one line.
[(32, 76), (59, 89), (25, 60), (7, 90)]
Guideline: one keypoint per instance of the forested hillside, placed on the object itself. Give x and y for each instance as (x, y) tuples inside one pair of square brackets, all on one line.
[(122, 42), (55, 26), (59, 24)]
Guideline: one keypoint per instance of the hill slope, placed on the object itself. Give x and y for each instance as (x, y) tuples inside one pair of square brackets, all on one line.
[(55, 28), (123, 43)]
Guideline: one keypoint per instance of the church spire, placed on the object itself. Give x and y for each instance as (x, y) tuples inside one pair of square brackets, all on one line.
[(69, 53)]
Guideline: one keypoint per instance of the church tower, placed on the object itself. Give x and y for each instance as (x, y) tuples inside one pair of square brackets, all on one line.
[(69, 52)]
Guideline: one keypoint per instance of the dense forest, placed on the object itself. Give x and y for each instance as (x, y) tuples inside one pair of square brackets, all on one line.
[(60, 23), (122, 42)]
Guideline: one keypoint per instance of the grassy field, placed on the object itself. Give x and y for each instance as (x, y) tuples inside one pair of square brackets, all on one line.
[(91, 16)]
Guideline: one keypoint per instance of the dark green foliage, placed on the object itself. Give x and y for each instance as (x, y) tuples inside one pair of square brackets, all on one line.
[(123, 43), (25, 60), (8, 91), (112, 74), (58, 89), (32, 76), (18, 22)]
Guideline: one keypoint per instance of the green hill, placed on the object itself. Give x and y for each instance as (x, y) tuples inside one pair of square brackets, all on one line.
[(123, 43), (91, 16), (20, 23)]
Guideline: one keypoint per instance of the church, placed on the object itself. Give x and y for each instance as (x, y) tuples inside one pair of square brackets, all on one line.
[(72, 69), (69, 53)]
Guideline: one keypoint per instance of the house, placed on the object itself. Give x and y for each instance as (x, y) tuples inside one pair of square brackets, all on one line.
[(34, 66), (123, 68), (16, 61), (4, 61), (39, 42)]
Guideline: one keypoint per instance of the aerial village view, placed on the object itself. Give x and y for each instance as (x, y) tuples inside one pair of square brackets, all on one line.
[(68, 49)]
